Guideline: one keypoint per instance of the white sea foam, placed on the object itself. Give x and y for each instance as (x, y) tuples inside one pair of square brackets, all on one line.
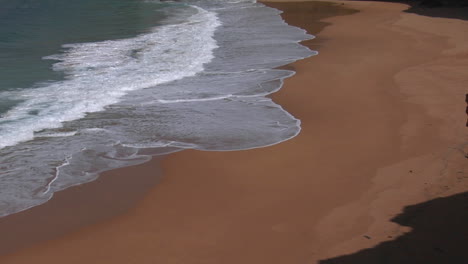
[(206, 80), (99, 74), (194, 100), (58, 134)]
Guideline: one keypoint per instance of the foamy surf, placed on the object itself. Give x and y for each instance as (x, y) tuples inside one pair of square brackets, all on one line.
[(194, 84), (99, 74)]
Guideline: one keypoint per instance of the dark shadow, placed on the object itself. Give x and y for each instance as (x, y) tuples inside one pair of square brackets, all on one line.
[(445, 12), (457, 9), (466, 110), (439, 236)]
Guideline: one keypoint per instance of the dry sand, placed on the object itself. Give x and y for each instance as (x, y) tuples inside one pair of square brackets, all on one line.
[(383, 116)]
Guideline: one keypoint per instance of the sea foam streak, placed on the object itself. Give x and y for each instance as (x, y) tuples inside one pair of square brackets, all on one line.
[(100, 73), (200, 84)]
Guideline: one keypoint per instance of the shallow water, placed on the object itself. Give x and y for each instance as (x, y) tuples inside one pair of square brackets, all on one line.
[(161, 78)]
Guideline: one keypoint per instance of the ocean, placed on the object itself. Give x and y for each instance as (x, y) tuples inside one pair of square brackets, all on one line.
[(92, 85)]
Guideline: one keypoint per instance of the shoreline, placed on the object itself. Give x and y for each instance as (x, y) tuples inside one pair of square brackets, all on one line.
[(313, 197), (114, 193)]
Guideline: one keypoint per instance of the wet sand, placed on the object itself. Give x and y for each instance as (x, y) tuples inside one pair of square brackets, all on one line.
[(383, 116)]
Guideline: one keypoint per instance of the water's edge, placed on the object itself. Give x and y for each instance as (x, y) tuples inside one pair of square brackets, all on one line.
[(272, 125)]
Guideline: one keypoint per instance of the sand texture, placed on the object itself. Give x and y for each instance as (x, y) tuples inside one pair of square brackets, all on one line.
[(383, 117)]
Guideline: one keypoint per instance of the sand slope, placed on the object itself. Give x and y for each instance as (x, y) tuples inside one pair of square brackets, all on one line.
[(383, 116)]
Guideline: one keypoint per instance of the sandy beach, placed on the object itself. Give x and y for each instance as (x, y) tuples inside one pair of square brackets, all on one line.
[(383, 128)]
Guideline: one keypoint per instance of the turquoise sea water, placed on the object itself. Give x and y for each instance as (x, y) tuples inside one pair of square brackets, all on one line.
[(92, 85), (31, 30)]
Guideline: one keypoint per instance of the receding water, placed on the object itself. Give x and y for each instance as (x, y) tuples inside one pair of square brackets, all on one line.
[(87, 86)]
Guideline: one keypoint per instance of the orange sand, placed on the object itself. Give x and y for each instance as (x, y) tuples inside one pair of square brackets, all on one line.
[(382, 108)]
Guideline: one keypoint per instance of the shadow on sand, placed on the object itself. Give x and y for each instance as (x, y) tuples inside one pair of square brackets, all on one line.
[(457, 9), (439, 235)]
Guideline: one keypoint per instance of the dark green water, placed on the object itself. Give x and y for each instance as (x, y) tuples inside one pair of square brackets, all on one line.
[(32, 29)]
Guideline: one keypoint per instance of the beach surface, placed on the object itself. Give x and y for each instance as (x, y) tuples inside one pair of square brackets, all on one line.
[(383, 127)]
